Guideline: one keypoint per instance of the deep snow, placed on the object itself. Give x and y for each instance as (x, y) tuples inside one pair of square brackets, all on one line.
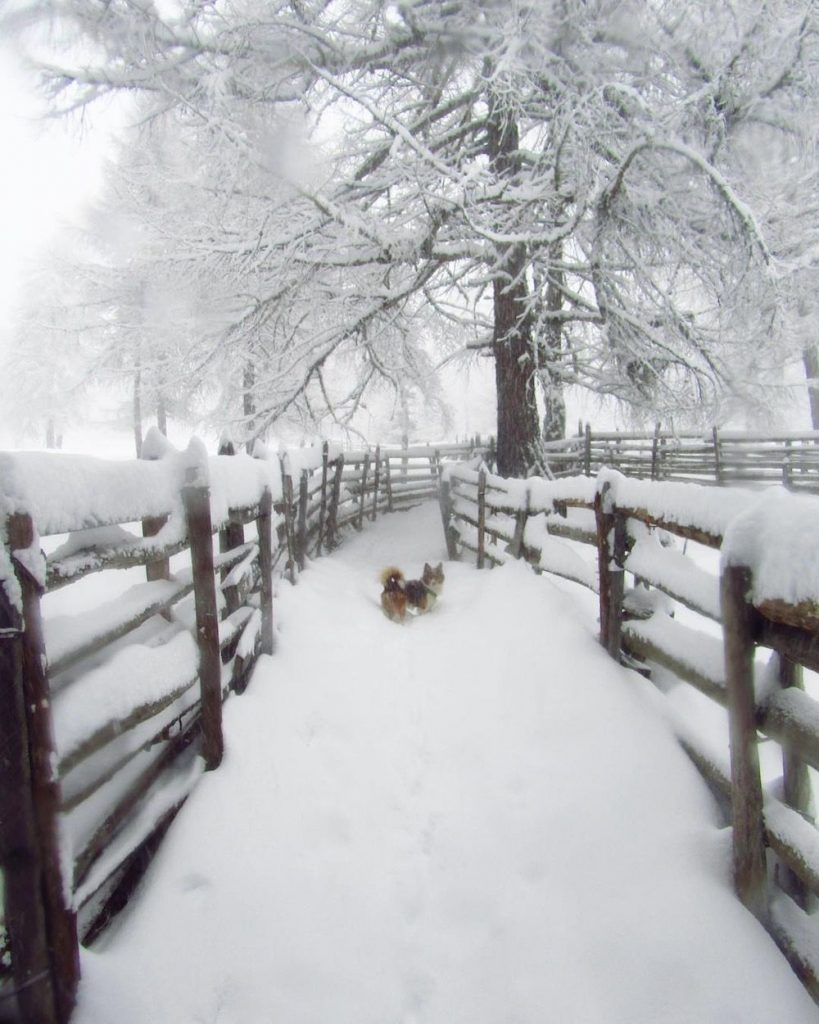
[(476, 817)]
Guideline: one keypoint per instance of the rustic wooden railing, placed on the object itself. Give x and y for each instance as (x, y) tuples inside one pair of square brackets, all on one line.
[(632, 526), (107, 720), (718, 456)]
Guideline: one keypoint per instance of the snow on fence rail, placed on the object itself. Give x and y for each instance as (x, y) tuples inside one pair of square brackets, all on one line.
[(767, 596), (720, 456), (102, 715)]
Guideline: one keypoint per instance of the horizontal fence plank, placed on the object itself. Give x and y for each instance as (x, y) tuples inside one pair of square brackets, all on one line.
[(687, 652)]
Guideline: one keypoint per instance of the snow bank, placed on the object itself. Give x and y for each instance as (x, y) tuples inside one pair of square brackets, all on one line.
[(473, 818)]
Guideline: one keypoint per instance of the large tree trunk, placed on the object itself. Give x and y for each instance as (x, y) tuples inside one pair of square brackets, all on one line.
[(518, 430), (518, 444), (810, 360)]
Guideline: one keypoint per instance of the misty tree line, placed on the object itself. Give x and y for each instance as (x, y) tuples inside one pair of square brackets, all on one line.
[(321, 198)]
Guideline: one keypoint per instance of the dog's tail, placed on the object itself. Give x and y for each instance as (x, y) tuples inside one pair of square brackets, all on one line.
[(392, 578)]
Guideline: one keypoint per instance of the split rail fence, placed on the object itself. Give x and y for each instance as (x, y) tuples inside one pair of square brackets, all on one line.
[(749, 661), (108, 717), (720, 456)]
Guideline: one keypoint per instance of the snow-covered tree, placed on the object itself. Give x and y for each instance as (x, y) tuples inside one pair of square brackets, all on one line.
[(568, 182)]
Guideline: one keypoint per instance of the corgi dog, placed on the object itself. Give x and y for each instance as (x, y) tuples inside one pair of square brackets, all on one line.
[(393, 597), (401, 595)]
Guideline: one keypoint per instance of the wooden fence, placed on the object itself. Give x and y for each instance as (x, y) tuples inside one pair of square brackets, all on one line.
[(719, 456), (632, 526), (107, 720)]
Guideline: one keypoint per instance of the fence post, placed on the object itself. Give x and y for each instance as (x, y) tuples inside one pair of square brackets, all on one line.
[(232, 535), (746, 789), (375, 481), (289, 533), (655, 453), (717, 457), (616, 585), (604, 522), (151, 525), (264, 530), (362, 496), (301, 537), (786, 466), (332, 519), (325, 456), (404, 457), (42, 929), (481, 517), (587, 452), (196, 499), (445, 502), (796, 786), (516, 546), (388, 482)]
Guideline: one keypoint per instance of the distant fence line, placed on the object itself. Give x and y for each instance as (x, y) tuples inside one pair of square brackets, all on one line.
[(99, 722), (720, 456), (628, 523)]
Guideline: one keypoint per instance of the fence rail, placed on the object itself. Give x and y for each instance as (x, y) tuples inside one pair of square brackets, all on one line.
[(107, 719), (631, 525), (719, 456)]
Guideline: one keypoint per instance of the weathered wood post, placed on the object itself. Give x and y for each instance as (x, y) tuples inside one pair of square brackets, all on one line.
[(264, 530), (154, 448), (376, 477), (746, 789), (362, 497), (616, 585), (301, 536), (325, 457), (332, 517), (41, 926), (404, 457), (388, 482), (481, 517), (717, 457), (796, 786), (445, 502), (786, 465), (231, 535), (605, 522), (587, 452), (196, 499), (655, 453), (516, 546), (289, 526)]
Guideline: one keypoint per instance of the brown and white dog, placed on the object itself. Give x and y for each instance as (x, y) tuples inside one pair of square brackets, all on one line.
[(401, 595)]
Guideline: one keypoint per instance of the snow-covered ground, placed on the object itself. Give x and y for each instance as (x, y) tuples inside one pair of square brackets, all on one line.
[(476, 817)]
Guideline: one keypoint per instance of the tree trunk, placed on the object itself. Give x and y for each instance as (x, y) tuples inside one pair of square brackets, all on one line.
[(810, 360), (161, 414), (137, 412), (249, 401), (518, 447)]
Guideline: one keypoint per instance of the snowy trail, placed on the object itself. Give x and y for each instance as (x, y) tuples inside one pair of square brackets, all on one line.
[(476, 817)]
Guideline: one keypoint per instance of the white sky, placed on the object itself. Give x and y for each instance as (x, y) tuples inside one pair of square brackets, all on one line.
[(48, 171)]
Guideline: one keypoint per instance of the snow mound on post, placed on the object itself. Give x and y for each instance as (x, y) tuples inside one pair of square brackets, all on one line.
[(778, 540)]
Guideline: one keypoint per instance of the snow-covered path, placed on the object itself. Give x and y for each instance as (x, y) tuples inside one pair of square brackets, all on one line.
[(473, 818)]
